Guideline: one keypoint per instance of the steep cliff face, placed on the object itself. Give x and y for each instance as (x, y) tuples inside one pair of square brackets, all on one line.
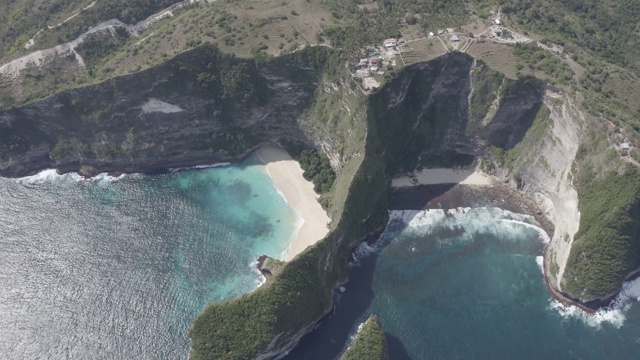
[(203, 106)]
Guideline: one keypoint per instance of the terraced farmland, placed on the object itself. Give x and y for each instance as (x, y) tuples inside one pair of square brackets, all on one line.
[(497, 56), (423, 50)]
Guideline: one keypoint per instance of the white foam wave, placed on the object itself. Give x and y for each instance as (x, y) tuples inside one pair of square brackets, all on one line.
[(629, 293), (51, 175), (353, 337), (199, 167), (475, 220), (47, 176), (362, 251), (614, 317), (261, 278), (296, 229), (540, 263), (614, 314), (544, 237)]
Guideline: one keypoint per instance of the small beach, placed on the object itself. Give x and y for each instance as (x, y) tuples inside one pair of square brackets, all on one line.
[(442, 176), (286, 174)]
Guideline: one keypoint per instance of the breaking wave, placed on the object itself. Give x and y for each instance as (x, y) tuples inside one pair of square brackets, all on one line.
[(199, 167), (475, 220), (51, 175)]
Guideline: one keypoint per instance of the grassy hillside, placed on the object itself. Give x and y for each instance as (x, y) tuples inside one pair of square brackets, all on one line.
[(371, 343)]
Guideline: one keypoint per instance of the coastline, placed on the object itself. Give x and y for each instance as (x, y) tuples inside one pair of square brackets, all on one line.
[(286, 174), (452, 188)]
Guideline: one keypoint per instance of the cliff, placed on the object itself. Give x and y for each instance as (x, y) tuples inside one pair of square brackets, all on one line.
[(370, 344), (204, 106)]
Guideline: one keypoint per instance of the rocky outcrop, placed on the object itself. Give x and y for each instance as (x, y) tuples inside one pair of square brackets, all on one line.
[(183, 113)]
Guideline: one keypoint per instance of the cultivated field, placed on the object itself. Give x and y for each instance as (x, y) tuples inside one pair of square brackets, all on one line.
[(423, 50), (497, 56)]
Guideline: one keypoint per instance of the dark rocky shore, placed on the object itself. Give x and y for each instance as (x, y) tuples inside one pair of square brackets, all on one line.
[(451, 196)]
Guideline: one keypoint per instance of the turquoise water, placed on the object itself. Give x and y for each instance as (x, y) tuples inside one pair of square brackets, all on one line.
[(467, 285), (120, 268)]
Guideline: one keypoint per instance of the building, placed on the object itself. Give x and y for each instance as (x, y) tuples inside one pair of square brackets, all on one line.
[(625, 146), (380, 73), (431, 34), (497, 21), (374, 68), (455, 38)]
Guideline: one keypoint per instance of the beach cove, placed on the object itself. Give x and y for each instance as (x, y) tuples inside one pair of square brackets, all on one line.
[(109, 265)]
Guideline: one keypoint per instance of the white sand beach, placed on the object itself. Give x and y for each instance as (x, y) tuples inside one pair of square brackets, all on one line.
[(287, 177), (443, 176)]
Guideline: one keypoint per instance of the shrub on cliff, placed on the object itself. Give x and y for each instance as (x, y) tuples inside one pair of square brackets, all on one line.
[(607, 246), (371, 343)]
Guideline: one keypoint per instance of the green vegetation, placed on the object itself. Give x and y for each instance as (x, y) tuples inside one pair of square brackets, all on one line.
[(65, 148), (317, 169), (370, 25), (371, 343), (232, 141), (606, 247), (293, 299), (527, 150), (95, 49), (542, 60), (607, 28), (21, 19), (486, 84)]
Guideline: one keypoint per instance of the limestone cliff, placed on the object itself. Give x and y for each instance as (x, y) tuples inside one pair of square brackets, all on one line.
[(204, 106), (201, 107)]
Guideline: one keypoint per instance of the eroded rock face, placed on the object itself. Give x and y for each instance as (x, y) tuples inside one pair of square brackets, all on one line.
[(182, 113)]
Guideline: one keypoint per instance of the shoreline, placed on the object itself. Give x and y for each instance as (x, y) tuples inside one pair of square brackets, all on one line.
[(470, 187), (469, 179), (287, 177)]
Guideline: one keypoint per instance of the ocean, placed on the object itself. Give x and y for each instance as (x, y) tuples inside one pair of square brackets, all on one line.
[(118, 268), (468, 284)]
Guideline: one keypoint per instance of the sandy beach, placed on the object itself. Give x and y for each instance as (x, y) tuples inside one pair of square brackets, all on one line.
[(442, 176), (287, 177)]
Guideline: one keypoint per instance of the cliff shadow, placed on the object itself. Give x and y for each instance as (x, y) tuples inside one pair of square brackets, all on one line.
[(331, 337), (397, 351)]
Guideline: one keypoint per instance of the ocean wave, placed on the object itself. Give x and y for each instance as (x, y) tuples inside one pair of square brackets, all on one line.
[(475, 220), (261, 280), (362, 251), (629, 293), (614, 314), (51, 175), (199, 167), (614, 317)]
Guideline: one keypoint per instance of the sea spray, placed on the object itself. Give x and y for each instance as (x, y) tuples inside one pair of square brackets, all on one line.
[(614, 317), (481, 297), (51, 175)]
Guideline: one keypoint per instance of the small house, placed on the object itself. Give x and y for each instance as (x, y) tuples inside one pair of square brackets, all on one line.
[(441, 31), (374, 61), (455, 38), (625, 146), (497, 21), (374, 68), (431, 34), (380, 73)]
